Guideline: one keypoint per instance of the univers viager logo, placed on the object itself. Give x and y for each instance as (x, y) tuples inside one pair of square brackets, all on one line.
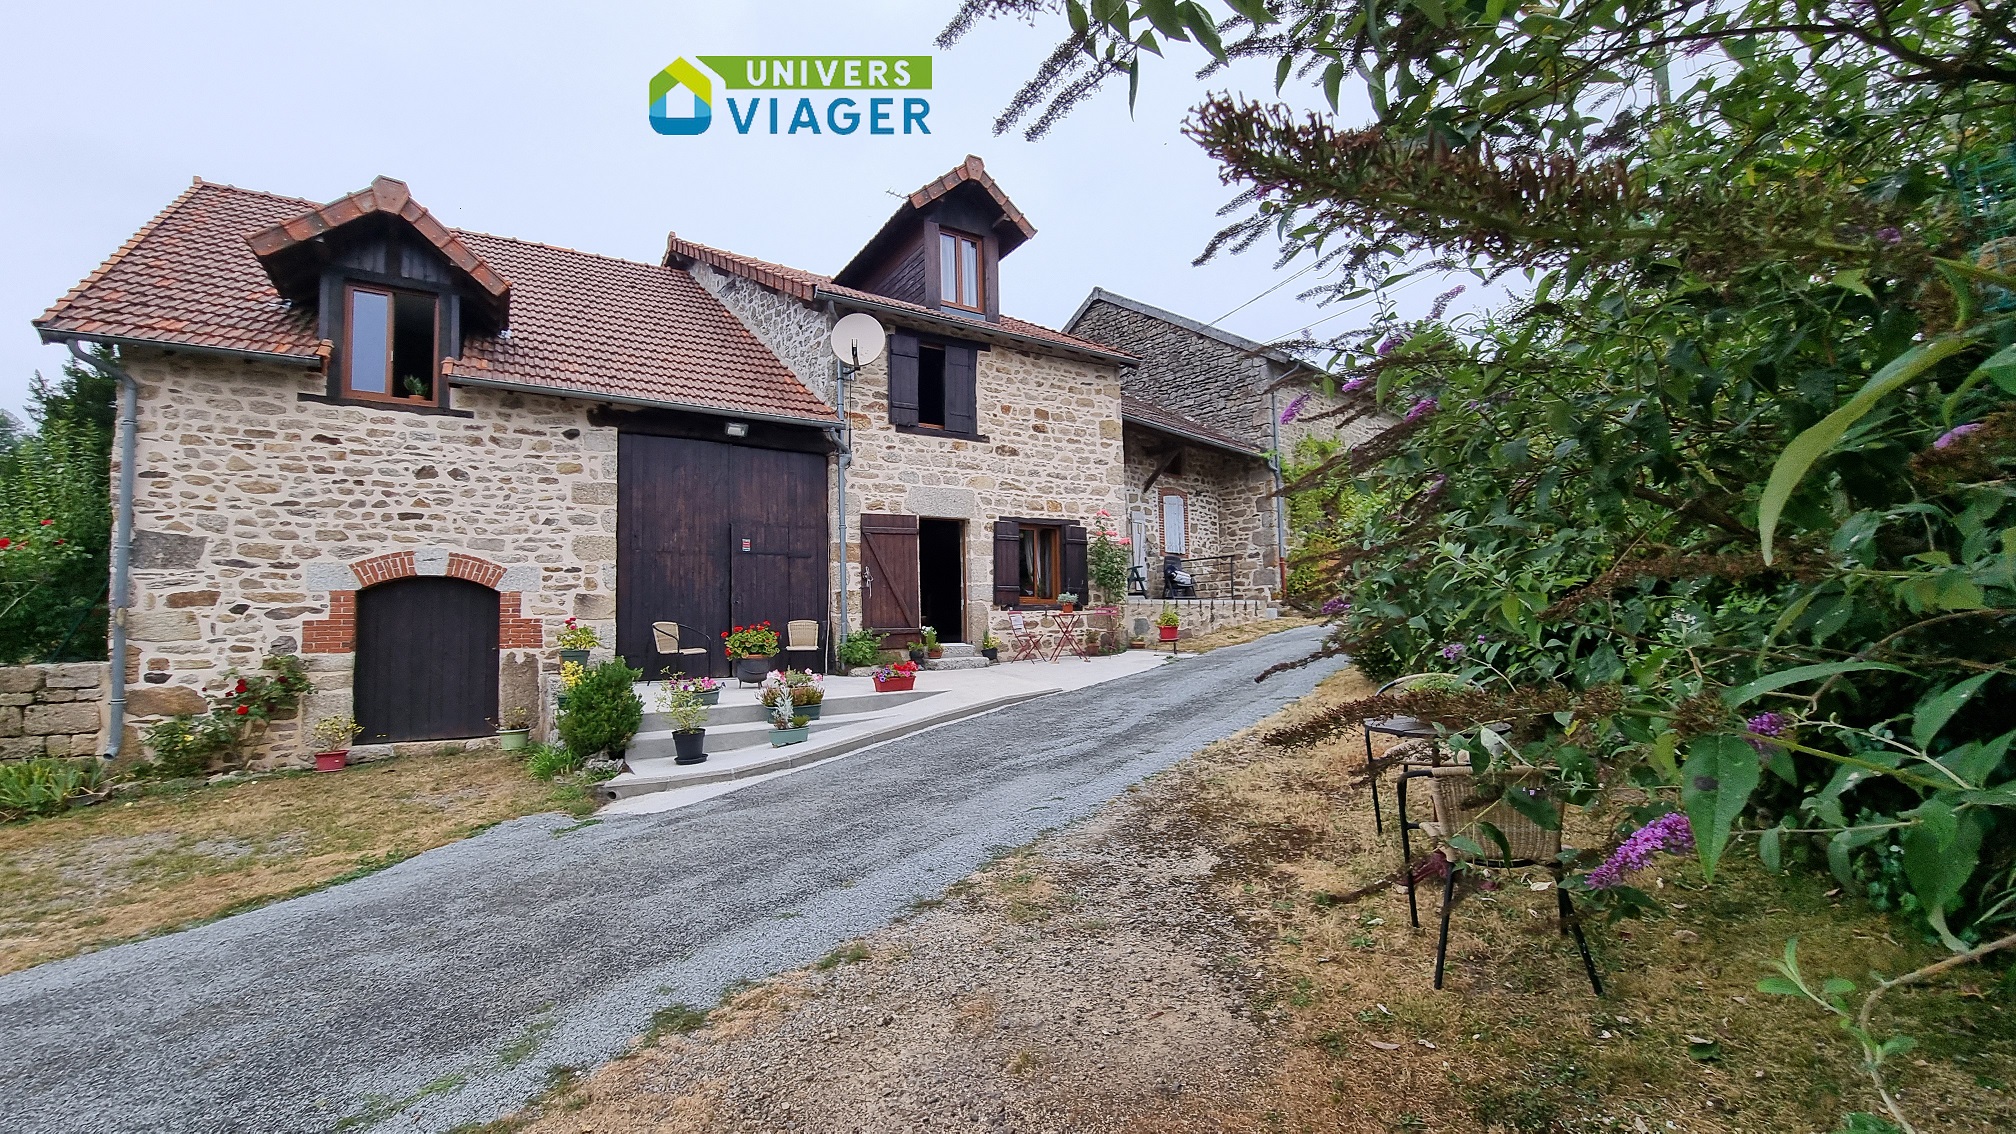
[(899, 110)]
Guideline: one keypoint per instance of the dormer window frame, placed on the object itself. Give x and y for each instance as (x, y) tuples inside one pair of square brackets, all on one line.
[(964, 287), (346, 362)]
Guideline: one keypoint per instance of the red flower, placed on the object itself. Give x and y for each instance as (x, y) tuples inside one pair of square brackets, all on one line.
[(244, 709), (46, 523), (240, 689), (5, 543)]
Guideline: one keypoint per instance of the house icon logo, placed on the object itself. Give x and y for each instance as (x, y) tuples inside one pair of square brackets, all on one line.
[(665, 86)]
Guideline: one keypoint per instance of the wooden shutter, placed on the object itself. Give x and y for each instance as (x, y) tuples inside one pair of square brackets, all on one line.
[(902, 379), (961, 397), (1074, 562), (889, 598), (1007, 564)]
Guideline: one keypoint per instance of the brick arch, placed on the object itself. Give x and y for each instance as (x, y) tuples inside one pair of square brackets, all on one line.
[(337, 634)]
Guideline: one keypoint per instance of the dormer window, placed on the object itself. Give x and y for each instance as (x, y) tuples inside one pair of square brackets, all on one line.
[(392, 349), (959, 270)]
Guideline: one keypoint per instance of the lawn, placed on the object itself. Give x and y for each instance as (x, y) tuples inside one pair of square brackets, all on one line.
[(180, 854)]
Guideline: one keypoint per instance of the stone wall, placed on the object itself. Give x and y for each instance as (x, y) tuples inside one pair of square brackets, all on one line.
[(1229, 509), (794, 331), (52, 710), (259, 516), (1198, 376)]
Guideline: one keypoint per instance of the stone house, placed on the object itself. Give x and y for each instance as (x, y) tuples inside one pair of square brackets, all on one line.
[(1203, 422), (411, 453)]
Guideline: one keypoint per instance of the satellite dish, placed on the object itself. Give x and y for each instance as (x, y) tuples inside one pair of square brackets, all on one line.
[(857, 339)]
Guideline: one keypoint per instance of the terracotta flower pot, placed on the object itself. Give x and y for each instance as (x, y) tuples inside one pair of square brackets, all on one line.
[(935, 652), (1168, 632), (332, 761), (1067, 607)]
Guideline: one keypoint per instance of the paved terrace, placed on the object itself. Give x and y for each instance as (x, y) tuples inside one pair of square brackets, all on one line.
[(441, 991)]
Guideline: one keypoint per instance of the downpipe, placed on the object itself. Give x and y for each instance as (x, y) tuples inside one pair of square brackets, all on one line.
[(122, 542)]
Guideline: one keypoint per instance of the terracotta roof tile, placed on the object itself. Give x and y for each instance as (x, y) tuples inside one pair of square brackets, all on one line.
[(385, 195), (810, 285), (579, 322), (1141, 411), (974, 170)]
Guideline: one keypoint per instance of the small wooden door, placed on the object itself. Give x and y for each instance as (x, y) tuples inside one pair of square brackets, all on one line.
[(890, 602), (426, 660)]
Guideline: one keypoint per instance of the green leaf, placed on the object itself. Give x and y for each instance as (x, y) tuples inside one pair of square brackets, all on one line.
[(1779, 986), (1852, 281), (1432, 9), (1281, 72), (1770, 682), (1333, 78), (1940, 853), (1935, 710), (1201, 25), (1254, 10), (1661, 755), (1715, 786), (1770, 849), (1807, 448), (1166, 15), (2001, 369)]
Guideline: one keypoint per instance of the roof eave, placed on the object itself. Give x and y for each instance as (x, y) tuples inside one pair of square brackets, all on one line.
[(979, 329), (456, 379), (52, 336), (1195, 438)]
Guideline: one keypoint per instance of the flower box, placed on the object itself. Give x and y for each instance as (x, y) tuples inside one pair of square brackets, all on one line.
[(779, 737), (896, 684), (332, 761)]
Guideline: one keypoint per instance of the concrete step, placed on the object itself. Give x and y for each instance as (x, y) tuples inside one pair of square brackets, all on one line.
[(960, 650), (720, 715), (733, 737), (972, 661)]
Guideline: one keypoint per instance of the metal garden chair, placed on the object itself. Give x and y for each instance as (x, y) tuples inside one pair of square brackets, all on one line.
[(665, 636), (1462, 807)]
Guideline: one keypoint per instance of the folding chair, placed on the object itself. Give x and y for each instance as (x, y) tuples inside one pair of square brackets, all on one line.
[(665, 635), (801, 644), (1028, 643), (1461, 808)]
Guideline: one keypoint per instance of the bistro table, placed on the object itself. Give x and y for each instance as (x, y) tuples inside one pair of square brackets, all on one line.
[(1070, 635)]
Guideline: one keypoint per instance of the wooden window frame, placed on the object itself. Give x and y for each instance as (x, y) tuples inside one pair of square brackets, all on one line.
[(389, 397), (962, 240), (1056, 560)]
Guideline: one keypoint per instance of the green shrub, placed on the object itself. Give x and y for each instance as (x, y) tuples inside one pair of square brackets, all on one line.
[(862, 647), (185, 745), (603, 711), (44, 786), (546, 761)]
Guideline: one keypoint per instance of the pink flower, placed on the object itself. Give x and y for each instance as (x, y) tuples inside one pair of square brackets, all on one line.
[(1293, 409), (1124, 541), (1422, 409), (1355, 384)]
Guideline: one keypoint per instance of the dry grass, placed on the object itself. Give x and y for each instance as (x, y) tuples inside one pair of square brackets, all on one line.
[(1516, 1042), (135, 867)]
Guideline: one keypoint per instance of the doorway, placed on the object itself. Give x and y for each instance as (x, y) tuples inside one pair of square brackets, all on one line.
[(426, 660), (941, 577)]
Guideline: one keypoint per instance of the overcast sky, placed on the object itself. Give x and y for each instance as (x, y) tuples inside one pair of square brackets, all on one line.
[(529, 120)]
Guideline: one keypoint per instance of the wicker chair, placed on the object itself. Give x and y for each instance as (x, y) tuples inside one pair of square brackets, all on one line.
[(801, 643), (1461, 809), (1403, 728), (665, 636)]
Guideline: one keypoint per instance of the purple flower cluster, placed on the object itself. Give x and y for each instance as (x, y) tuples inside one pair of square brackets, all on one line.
[(1294, 407), (1668, 833), (1422, 409), (1889, 235), (1442, 301), (1954, 434), (1337, 605), (1454, 650), (1355, 384), (1389, 344), (1768, 724)]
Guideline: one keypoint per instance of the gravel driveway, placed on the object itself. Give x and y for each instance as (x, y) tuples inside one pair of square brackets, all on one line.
[(445, 989)]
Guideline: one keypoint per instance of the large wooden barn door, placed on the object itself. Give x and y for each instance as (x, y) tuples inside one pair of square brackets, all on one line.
[(890, 602), (426, 660), (683, 508)]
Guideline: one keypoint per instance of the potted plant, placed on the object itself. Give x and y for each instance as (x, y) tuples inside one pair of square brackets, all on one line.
[(689, 713), (917, 652), (517, 728), (332, 736), (570, 676), (705, 688), (806, 690), (750, 650), (787, 726), (932, 648), (990, 646), (575, 642), (1067, 601), (896, 678), (1167, 622)]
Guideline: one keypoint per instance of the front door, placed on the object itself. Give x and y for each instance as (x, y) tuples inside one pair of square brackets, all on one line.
[(890, 603), (426, 660)]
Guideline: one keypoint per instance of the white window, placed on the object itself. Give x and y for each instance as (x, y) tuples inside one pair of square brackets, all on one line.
[(1175, 529)]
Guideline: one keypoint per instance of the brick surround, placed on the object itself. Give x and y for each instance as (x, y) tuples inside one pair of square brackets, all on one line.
[(337, 634)]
